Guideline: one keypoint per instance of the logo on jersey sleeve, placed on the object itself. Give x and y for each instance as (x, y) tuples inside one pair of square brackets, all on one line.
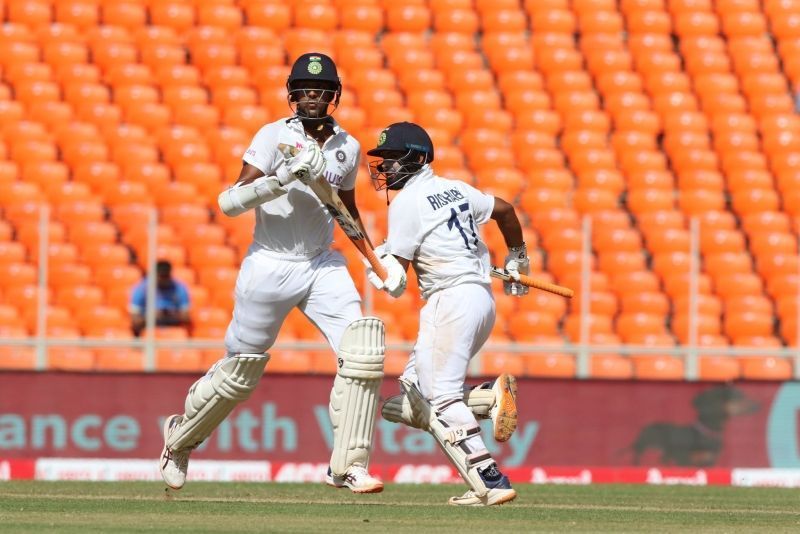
[(334, 173), (440, 200), (333, 178)]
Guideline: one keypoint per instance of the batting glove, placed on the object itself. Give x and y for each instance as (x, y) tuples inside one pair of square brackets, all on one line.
[(517, 263), (395, 283), (307, 165), (372, 276), (396, 280), (316, 164)]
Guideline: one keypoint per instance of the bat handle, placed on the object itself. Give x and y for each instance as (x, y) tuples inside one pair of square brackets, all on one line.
[(374, 262), (546, 286)]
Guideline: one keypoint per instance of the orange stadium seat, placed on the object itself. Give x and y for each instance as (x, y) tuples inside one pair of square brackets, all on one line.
[(658, 367), (550, 365), (17, 357), (70, 359), (76, 296), (493, 364), (119, 360), (611, 366), (765, 368), (649, 302)]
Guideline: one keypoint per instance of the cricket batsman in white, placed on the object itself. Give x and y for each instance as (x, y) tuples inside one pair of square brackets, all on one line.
[(290, 264), (433, 226)]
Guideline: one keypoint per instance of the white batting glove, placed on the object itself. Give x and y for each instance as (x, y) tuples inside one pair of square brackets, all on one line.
[(395, 283), (517, 263), (307, 165), (372, 276), (396, 280), (316, 163)]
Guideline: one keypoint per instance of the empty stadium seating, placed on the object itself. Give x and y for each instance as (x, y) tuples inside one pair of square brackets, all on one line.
[(640, 115)]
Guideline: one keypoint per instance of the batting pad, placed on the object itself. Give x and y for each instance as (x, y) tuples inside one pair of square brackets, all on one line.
[(212, 398), (354, 397), (398, 409), (450, 439)]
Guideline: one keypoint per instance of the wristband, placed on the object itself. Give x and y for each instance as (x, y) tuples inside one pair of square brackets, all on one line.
[(520, 252)]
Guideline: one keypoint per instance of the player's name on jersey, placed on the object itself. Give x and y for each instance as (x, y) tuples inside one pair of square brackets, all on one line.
[(442, 199)]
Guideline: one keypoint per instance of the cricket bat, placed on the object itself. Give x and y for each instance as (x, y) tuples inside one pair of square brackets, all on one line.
[(526, 280), (330, 199)]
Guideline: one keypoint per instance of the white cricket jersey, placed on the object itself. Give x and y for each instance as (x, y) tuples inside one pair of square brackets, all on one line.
[(297, 225), (433, 222)]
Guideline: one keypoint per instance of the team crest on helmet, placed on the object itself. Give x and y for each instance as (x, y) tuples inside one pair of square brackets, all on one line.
[(314, 65), (340, 157), (382, 138)]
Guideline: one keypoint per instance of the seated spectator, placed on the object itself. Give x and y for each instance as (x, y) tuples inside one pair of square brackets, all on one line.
[(172, 300)]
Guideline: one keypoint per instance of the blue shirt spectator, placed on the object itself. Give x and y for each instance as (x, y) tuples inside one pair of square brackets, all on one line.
[(172, 300)]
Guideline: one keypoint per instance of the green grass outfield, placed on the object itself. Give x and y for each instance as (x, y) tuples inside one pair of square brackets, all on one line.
[(228, 507)]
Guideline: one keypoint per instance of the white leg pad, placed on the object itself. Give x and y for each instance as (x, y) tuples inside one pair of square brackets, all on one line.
[(397, 409), (449, 439), (354, 398), (480, 399), (214, 396)]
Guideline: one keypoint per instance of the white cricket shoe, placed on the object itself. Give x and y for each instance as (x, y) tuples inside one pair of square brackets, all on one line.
[(500, 490), (504, 411), (494, 497), (173, 464), (357, 478)]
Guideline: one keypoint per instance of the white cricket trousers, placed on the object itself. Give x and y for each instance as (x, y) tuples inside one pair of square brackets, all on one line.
[(453, 326), (267, 289)]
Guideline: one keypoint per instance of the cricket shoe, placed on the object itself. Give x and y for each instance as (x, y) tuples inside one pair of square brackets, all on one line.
[(504, 411), (173, 464), (500, 490), (357, 478)]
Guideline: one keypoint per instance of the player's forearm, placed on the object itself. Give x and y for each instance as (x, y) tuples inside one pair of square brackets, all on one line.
[(349, 201), (508, 222), (241, 198)]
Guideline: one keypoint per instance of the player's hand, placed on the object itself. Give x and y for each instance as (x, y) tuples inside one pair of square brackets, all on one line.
[(395, 283), (307, 165), (372, 276), (396, 280), (310, 163), (316, 163), (517, 263)]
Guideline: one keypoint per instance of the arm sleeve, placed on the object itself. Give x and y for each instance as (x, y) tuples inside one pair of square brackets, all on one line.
[(404, 230), (137, 302), (349, 181), (482, 204), (262, 152)]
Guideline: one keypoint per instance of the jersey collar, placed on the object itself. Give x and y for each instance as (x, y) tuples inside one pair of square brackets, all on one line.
[(424, 173), (297, 124)]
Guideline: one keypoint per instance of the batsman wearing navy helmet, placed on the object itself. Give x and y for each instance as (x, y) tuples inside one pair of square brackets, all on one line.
[(290, 264), (433, 226)]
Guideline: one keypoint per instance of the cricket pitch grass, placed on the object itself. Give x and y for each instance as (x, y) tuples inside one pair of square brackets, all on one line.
[(232, 507)]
